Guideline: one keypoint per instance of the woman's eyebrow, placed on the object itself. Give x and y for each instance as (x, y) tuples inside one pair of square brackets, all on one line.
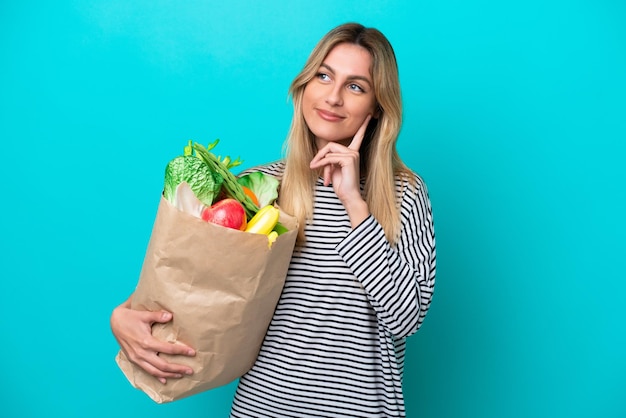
[(352, 77)]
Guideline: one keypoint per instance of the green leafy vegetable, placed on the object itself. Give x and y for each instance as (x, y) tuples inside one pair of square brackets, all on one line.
[(265, 188), (203, 181), (222, 167)]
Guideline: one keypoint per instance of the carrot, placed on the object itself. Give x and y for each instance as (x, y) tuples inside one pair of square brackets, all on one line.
[(250, 194)]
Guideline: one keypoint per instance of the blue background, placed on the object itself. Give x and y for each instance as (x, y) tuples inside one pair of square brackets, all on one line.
[(515, 117)]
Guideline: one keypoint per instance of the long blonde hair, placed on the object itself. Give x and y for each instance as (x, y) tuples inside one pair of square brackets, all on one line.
[(380, 161)]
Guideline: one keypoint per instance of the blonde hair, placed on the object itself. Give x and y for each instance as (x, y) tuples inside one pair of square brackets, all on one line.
[(380, 161)]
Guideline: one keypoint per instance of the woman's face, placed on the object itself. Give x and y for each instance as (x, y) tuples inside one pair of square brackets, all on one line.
[(338, 99)]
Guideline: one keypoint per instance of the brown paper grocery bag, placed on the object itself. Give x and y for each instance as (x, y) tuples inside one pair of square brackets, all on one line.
[(222, 286)]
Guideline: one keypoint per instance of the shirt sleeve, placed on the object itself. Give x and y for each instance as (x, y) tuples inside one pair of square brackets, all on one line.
[(398, 280)]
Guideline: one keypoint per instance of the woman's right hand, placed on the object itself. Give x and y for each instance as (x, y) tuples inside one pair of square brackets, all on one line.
[(133, 331)]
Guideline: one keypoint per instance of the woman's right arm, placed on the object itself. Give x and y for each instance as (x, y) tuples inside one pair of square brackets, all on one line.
[(133, 331)]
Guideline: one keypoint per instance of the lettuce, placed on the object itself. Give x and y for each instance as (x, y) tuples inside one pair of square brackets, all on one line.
[(264, 187), (203, 181)]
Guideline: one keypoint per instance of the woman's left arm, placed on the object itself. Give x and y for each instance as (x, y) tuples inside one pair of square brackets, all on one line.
[(399, 281)]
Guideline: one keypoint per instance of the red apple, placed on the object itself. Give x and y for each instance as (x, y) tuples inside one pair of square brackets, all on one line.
[(226, 212)]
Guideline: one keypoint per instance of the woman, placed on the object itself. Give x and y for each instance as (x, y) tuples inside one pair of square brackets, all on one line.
[(362, 275)]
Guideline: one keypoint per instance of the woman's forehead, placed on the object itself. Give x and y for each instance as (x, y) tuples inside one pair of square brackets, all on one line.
[(349, 59)]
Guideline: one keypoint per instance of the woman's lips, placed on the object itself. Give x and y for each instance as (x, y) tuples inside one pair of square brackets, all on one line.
[(329, 116)]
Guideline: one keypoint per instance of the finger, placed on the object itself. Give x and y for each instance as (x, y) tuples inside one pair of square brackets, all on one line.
[(157, 366), (164, 371), (360, 134), (163, 346), (327, 174), (173, 348), (167, 369), (151, 317), (315, 162), (330, 154)]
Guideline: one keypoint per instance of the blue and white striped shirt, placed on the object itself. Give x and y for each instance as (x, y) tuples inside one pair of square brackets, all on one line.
[(336, 343)]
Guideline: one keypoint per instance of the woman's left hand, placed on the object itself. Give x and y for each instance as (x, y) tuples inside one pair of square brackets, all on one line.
[(340, 166)]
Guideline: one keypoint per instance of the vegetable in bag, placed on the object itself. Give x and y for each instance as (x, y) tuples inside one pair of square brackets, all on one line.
[(188, 168)]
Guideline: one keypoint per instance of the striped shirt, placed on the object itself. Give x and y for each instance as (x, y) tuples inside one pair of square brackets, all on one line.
[(336, 343)]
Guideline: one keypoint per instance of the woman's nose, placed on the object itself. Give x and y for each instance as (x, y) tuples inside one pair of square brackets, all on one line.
[(334, 97)]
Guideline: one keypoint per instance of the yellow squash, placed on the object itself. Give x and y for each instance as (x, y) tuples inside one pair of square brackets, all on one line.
[(264, 221)]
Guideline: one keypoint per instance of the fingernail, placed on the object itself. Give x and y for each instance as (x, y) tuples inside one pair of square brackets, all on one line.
[(166, 316), (190, 352), (189, 372), (162, 380)]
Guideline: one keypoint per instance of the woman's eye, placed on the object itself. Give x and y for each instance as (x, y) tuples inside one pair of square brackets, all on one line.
[(323, 76), (356, 87)]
